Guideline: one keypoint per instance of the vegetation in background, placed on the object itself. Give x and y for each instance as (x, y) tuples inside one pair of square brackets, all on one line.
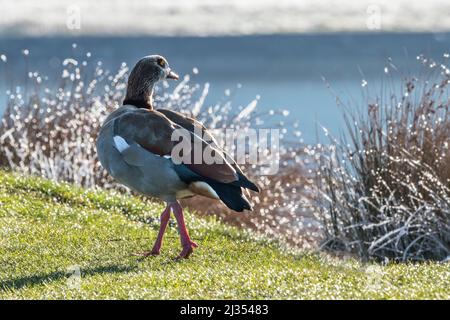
[(385, 188)]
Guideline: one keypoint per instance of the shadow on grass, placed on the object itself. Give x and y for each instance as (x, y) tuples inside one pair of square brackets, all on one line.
[(33, 280)]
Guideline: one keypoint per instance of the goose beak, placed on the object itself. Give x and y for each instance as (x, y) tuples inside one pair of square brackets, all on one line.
[(172, 75)]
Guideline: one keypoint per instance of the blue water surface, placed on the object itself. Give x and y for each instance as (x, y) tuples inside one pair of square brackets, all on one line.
[(286, 71)]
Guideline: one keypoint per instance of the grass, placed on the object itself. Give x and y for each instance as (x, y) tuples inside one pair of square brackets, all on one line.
[(48, 227)]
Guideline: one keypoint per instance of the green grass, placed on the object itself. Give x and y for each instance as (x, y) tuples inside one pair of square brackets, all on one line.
[(47, 228)]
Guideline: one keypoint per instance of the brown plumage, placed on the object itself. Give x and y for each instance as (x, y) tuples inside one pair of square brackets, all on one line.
[(152, 130), (194, 125)]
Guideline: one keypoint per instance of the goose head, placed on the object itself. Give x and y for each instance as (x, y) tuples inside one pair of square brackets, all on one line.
[(143, 77)]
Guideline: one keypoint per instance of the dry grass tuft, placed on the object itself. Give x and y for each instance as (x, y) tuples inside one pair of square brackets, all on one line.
[(385, 192)]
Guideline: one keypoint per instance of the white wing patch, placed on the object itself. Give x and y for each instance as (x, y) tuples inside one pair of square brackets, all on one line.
[(120, 143)]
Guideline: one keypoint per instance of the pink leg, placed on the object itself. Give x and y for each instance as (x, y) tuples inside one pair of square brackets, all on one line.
[(186, 242), (165, 217)]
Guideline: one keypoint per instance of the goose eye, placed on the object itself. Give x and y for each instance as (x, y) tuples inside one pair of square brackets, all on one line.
[(162, 63)]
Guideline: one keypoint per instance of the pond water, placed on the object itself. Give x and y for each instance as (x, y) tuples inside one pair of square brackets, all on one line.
[(286, 71)]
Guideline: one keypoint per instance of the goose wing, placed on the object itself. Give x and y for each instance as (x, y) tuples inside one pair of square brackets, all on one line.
[(153, 131), (194, 126)]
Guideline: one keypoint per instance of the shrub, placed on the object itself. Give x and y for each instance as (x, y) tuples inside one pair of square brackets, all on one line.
[(384, 188)]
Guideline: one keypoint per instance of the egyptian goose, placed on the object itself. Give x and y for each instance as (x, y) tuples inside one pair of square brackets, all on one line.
[(135, 147)]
